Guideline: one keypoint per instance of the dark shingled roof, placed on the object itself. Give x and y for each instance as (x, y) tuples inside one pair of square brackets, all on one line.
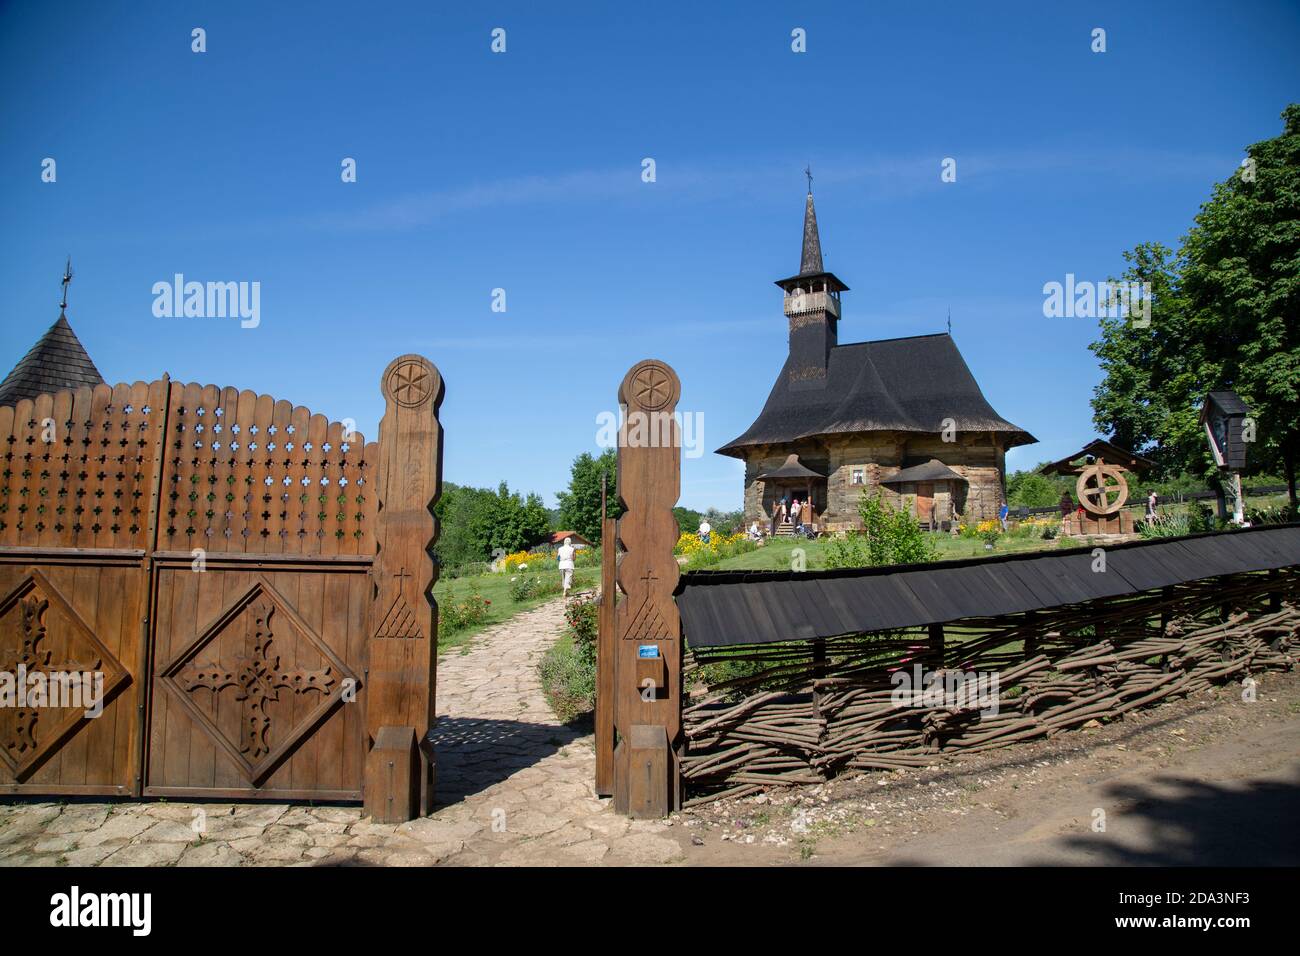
[(57, 361), (792, 469), (1229, 403), (908, 384), (810, 256), (810, 261), (932, 470), (726, 608)]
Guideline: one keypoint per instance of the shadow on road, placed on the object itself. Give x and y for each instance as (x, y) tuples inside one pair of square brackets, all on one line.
[(476, 753), (1178, 822)]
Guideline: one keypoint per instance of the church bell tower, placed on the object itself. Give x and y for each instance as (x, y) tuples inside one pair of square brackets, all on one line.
[(812, 306)]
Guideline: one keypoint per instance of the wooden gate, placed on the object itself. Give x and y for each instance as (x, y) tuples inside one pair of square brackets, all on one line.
[(211, 554)]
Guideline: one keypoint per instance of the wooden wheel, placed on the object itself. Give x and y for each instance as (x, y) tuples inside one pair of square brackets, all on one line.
[(1096, 486)]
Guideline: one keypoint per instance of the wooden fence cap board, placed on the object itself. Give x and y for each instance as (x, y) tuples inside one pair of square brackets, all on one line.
[(738, 608)]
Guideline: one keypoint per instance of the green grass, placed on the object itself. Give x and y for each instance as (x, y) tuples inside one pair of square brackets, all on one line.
[(496, 588), (778, 555)]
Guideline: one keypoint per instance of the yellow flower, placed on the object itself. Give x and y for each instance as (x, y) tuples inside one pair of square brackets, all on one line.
[(521, 559)]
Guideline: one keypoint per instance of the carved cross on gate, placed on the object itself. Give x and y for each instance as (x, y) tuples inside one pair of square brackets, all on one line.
[(258, 678), (21, 738)]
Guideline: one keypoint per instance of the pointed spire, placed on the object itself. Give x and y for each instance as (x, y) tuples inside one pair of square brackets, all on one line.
[(811, 261), (57, 360)]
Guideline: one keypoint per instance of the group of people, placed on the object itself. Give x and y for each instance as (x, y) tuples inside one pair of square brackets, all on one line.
[(793, 510)]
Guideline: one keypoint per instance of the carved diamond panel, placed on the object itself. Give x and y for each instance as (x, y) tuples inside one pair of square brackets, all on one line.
[(43, 642), (240, 661)]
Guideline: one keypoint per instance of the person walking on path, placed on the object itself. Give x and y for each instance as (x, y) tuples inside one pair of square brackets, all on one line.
[(1002, 516), (565, 555)]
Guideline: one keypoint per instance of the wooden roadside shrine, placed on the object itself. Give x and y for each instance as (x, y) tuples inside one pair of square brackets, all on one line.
[(250, 582), (1226, 420)]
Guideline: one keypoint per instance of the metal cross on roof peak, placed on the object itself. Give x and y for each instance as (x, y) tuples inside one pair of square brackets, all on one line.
[(67, 280), (808, 172)]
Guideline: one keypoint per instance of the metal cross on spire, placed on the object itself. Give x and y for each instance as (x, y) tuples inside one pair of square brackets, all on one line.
[(67, 280), (808, 172)]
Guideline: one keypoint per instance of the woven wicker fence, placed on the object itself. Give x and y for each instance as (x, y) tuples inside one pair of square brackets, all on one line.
[(801, 712)]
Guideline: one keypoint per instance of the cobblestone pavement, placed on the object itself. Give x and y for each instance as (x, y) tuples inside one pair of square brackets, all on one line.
[(514, 787)]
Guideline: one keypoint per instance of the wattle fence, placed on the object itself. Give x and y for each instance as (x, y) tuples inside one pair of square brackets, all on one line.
[(803, 711)]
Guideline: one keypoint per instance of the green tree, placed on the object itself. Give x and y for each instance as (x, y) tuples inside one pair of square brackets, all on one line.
[(1029, 489), (476, 522), (580, 503), (1242, 282), (687, 520), (724, 522), (1225, 314)]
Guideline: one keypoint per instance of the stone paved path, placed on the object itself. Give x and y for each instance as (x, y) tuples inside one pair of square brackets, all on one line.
[(514, 787)]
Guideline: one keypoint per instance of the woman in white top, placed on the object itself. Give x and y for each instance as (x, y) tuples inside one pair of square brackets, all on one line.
[(565, 554)]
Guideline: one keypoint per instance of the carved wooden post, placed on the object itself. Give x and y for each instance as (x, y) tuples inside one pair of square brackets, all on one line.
[(648, 653), (403, 616), (605, 645), (936, 645)]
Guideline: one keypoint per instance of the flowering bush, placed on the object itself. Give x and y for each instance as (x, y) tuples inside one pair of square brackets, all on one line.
[(582, 615), (568, 670), (455, 615), (720, 546), (525, 587), (527, 561), (989, 530)]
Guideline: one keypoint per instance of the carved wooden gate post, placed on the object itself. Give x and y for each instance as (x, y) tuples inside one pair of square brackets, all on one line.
[(648, 653), (403, 631), (605, 647)]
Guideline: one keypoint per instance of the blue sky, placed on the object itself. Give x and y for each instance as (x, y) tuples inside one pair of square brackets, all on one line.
[(522, 171)]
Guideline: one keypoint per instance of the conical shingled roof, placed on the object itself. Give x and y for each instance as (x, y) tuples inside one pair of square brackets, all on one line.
[(811, 265), (810, 262), (57, 361)]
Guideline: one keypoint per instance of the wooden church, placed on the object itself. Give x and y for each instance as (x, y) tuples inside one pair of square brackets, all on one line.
[(901, 416)]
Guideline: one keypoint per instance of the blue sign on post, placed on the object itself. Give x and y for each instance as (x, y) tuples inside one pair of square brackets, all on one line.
[(647, 650)]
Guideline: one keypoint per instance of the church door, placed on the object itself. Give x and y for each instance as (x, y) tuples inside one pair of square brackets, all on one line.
[(925, 503)]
